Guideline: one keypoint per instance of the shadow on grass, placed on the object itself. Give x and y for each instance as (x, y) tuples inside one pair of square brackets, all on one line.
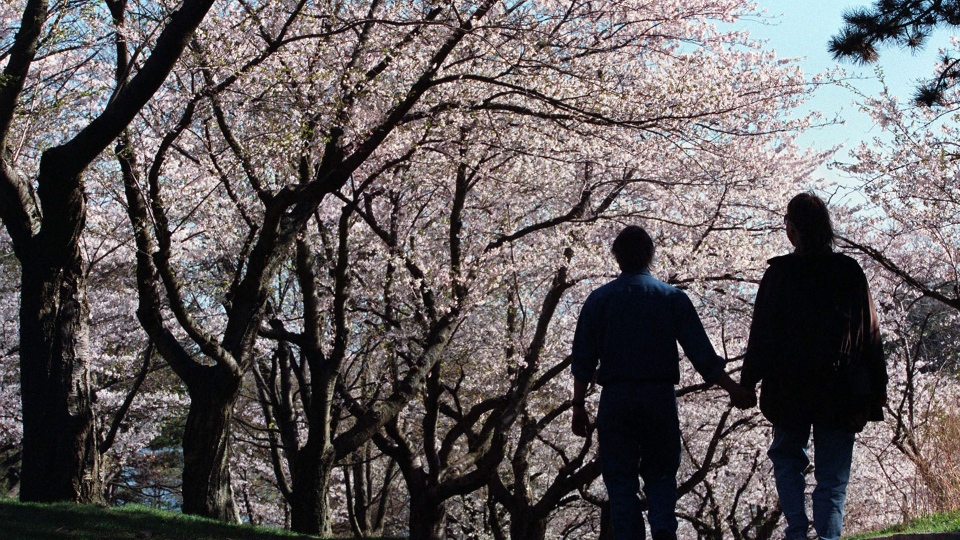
[(28, 521)]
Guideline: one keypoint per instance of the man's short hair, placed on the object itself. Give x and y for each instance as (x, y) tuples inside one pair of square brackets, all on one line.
[(810, 218), (633, 249)]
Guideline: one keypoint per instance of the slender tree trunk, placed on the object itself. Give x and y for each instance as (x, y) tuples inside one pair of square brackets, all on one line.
[(61, 461), (206, 450), (367, 502)]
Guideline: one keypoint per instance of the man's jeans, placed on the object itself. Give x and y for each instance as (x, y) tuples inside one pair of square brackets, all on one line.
[(639, 435), (833, 451)]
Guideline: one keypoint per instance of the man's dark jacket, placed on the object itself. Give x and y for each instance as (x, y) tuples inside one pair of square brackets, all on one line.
[(815, 344)]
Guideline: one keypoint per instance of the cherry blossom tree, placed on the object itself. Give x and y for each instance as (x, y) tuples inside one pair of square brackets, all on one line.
[(362, 232), (55, 49), (11, 422), (907, 174), (906, 227), (580, 79), (489, 414), (906, 177)]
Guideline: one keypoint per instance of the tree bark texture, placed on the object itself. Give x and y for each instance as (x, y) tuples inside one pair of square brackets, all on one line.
[(309, 505), (529, 529), (61, 460), (206, 450), (60, 453), (428, 515)]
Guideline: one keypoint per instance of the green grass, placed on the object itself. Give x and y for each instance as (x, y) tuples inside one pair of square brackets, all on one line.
[(948, 522), (28, 521)]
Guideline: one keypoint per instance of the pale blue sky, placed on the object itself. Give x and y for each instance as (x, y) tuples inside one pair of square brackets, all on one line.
[(801, 29)]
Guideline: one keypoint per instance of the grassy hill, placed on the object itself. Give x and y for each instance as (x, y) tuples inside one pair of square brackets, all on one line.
[(939, 523), (27, 521)]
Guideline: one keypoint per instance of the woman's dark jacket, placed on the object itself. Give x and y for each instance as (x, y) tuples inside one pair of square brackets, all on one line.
[(815, 344)]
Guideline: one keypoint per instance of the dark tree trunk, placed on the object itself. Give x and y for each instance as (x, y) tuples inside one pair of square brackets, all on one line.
[(60, 454), (206, 450), (367, 502), (534, 528), (309, 506), (61, 460), (428, 516)]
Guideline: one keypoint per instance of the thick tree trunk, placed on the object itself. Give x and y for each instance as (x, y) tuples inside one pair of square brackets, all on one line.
[(206, 450), (428, 516), (309, 505), (60, 454), (61, 460), (528, 528)]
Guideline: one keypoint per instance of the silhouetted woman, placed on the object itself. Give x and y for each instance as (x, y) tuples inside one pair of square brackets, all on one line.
[(815, 348)]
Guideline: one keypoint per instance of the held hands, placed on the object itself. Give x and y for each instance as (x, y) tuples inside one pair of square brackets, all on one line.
[(740, 397)]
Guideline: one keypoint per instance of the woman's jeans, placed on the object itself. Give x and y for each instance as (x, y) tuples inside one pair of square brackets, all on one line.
[(639, 436), (833, 451)]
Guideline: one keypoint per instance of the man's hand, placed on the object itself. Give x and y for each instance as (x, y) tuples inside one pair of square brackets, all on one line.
[(580, 420)]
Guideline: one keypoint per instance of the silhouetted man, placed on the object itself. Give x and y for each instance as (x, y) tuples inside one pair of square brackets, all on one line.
[(627, 336), (815, 348)]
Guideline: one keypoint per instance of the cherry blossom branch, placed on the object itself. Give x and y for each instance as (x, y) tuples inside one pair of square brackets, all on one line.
[(267, 396), (384, 411), (906, 276), (19, 204), (92, 139), (121, 414), (424, 82), (148, 288), (21, 56)]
